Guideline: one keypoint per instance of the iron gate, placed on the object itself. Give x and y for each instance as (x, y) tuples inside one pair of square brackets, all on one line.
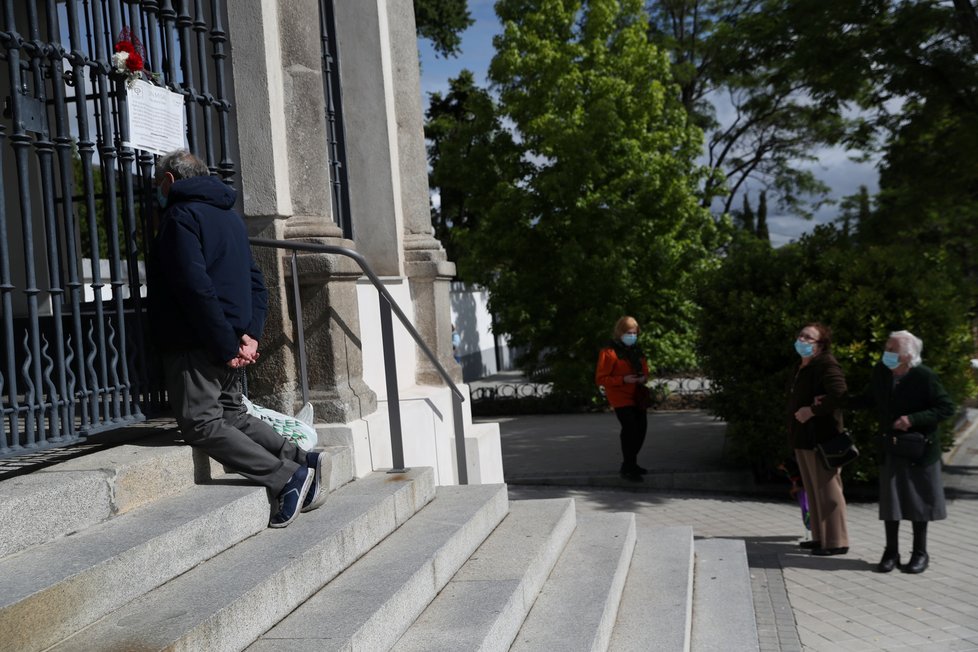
[(335, 131), (77, 205)]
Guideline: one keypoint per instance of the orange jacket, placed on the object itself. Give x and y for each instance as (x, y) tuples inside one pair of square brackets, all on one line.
[(611, 373)]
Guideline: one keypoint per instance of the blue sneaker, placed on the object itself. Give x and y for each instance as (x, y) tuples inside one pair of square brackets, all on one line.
[(321, 464), (291, 497)]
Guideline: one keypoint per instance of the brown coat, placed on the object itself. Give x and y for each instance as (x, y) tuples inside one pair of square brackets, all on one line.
[(822, 376)]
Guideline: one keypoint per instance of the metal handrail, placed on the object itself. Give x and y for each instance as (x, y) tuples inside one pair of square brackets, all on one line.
[(387, 306)]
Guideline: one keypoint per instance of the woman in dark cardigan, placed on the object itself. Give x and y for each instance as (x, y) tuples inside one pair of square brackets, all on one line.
[(810, 422), (907, 397)]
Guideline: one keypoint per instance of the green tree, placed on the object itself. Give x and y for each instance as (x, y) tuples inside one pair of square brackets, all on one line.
[(606, 220), (442, 22), (746, 217), (762, 230), (471, 156), (768, 125)]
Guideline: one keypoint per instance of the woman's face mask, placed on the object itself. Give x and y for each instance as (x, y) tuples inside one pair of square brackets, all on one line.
[(629, 339), (891, 359), (804, 349)]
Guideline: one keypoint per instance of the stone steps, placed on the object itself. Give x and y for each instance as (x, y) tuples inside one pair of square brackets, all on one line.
[(723, 605), (578, 605), (156, 562), (228, 601), (373, 602), (656, 606), (485, 603)]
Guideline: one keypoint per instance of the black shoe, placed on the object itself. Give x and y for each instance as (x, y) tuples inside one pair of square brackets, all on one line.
[(320, 465), (631, 476), (633, 468), (291, 497), (810, 544), (917, 564), (889, 561), (825, 552)]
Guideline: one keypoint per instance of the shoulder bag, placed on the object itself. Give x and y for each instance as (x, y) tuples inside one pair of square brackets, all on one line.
[(838, 451), (908, 445)]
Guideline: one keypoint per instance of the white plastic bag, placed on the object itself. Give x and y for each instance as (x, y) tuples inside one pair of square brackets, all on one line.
[(297, 429)]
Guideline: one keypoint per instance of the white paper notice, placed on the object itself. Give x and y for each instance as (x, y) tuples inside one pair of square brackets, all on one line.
[(156, 118)]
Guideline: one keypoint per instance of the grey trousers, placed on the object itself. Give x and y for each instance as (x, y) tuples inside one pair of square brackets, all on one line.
[(206, 401)]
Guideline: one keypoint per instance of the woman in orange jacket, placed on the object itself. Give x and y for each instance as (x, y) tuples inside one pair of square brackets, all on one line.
[(622, 371)]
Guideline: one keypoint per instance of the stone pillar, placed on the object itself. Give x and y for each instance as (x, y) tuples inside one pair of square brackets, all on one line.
[(281, 118), (305, 115), (427, 267), (371, 131)]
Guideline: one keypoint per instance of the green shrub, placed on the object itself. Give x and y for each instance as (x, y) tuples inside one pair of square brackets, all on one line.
[(754, 304)]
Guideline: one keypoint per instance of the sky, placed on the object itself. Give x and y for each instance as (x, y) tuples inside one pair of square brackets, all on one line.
[(834, 166)]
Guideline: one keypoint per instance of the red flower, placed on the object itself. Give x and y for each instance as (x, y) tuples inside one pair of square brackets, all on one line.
[(134, 62)]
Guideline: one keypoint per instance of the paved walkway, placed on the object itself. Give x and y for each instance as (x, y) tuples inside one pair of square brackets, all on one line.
[(801, 602)]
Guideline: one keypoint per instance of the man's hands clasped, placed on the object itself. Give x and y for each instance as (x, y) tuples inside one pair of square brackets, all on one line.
[(247, 353)]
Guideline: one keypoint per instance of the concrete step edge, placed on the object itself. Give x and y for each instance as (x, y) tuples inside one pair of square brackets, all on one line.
[(723, 604), (657, 601), (68, 497), (227, 602), (577, 607), (373, 602), (486, 602), (51, 591), (73, 495)]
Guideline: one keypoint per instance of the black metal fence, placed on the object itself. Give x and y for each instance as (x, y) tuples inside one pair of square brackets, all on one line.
[(77, 204), (335, 131), (669, 392)]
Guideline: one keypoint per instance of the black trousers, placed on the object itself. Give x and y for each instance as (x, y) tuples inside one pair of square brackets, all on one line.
[(206, 401), (634, 423)]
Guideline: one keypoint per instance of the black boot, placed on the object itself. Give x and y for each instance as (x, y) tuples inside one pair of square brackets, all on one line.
[(890, 560), (917, 564)]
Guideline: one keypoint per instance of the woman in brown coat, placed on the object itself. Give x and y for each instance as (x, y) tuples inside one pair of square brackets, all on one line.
[(810, 423)]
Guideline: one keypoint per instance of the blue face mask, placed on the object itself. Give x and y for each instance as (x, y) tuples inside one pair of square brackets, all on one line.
[(891, 359), (804, 349), (160, 197), (629, 339)]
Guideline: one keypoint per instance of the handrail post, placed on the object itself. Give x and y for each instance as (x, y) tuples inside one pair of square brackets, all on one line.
[(388, 308), (300, 330), (463, 469), (393, 396)]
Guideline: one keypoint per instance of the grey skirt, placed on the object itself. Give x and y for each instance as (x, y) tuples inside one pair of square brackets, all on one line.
[(911, 492)]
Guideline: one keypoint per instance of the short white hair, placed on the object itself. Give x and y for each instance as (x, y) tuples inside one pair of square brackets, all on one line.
[(909, 344)]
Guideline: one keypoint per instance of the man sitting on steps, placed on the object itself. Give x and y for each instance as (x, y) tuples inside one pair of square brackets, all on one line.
[(207, 305)]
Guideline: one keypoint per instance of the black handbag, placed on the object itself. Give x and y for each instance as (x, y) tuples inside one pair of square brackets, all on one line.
[(838, 451), (908, 445), (643, 396)]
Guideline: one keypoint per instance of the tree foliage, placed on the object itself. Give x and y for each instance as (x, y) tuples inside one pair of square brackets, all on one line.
[(605, 219), (442, 22), (472, 159), (768, 128)]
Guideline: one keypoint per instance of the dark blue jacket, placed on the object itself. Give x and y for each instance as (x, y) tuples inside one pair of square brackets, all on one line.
[(205, 290)]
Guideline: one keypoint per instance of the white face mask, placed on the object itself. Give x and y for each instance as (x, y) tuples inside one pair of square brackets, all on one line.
[(629, 339)]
